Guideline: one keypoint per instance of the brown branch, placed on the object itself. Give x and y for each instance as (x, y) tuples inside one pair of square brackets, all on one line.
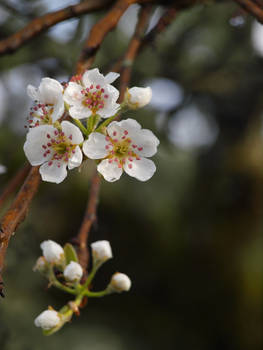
[(88, 220), (17, 212), (253, 8), (41, 24), (100, 30), (133, 48), (14, 183)]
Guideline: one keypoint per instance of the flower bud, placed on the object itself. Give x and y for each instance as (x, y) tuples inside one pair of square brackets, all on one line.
[(52, 251), (41, 265), (47, 319), (101, 251), (120, 283), (73, 272), (138, 97)]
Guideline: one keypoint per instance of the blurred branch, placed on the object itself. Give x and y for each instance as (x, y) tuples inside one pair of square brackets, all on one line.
[(17, 212), (133, 48), (43, 23), (14, 183), (100, 30), (254, 8)]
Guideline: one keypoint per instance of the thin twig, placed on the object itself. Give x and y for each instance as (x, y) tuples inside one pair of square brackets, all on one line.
[(253, 8), (100, 30), (14, 183), (40, 24)]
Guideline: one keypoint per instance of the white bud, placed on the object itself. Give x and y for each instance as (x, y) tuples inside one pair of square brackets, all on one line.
[(52, 251), (138, 97), (101, 251), (120, 282), (47, 319), (73, 271)]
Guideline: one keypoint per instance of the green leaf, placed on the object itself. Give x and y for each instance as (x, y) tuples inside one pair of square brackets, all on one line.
[(70, 253)]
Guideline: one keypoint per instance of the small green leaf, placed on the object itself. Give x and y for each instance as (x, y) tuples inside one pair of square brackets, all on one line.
[(70, 253)]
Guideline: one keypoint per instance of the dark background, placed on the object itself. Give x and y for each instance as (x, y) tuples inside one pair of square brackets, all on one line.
[(191, 237)]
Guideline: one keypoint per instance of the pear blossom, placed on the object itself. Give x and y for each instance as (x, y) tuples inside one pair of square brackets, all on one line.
[(47, 319), (120, 283), (125, 147), (92, 94), (73, 271), (138, 97), (49, 103), (101, 251), (52, 251), (55, 149), (2, 169)]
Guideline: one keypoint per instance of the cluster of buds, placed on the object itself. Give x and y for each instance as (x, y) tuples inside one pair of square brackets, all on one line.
[(89, 101), (63, 271)]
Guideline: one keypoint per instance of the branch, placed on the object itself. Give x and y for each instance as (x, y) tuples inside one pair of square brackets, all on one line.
[(41, 24), (133, 48), (14, 183), (88, 220), (100, 30), (17, 212), (255, 9)]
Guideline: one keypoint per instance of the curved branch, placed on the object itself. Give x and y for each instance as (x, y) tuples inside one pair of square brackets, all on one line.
[(40, 24), (253, 8)]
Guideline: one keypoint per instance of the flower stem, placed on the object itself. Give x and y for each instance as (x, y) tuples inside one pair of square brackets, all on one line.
[(81, 126)]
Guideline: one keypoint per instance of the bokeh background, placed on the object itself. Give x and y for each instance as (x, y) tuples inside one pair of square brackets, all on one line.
[(191, 238)]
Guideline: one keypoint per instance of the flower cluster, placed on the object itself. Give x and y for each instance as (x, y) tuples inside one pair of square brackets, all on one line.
[(89, 103), (63, 271)]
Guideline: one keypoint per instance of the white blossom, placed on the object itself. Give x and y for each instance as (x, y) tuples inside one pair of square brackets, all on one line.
[(49, 103), (92, 94), (73, 271), (138, 97), (2, 169), (125, 147), (47, 319), (101, 251), (55, 149), (120, 282), (52, 251)]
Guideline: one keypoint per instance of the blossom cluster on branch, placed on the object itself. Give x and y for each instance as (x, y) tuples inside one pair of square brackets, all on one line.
[(63, 271), (90, 102)]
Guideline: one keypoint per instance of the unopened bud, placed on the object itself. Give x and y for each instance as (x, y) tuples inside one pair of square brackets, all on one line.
[(47, 319), (120, 283), (138, 97), (41, 265), (73, 272), (52, 251), (101, 251)]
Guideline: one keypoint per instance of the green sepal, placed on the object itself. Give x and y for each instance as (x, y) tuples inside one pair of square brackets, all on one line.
[(70, 253)]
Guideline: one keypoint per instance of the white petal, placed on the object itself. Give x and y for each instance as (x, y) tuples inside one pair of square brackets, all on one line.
[(95, 146), (115, 130), (110, 171), (72, 94), (50, 90), (76, 159), (79, 112), (58, 109), (130, 125), (146, 143), (113, 94), (109, 112), (93, 76), (53, 173), (111, 77), (72, 130), (33, 149), (32, 92), (142, 169)]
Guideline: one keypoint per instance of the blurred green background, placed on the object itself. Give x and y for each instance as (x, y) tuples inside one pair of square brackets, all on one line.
[(191, 238)]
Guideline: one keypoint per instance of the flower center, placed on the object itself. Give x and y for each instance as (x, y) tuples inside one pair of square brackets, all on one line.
[(121, 148), (60, 146), (94, 98), (40, 114)]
